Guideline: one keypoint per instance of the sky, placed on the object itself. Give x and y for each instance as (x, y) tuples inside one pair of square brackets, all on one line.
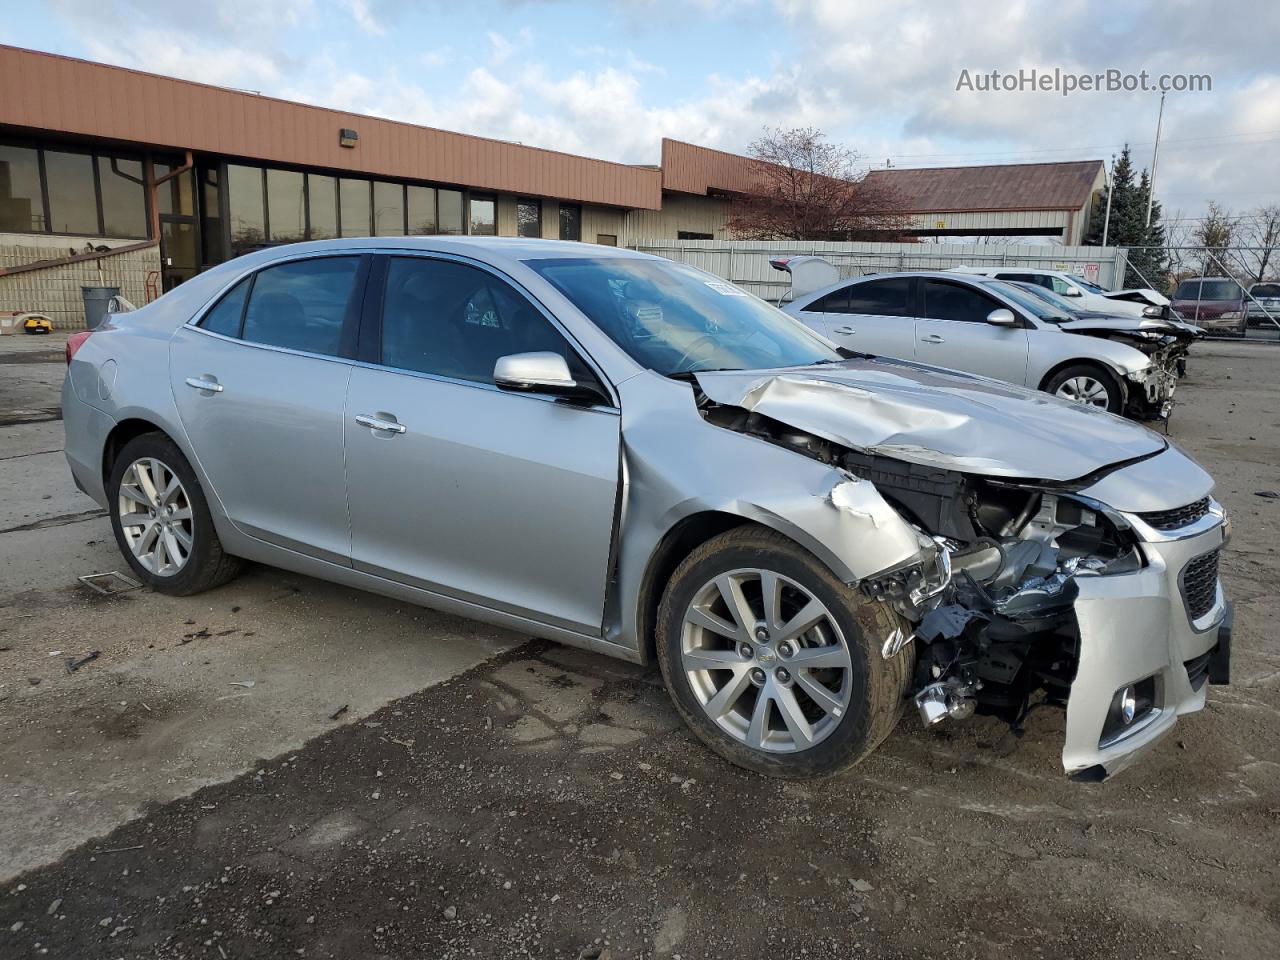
[(610, 79)]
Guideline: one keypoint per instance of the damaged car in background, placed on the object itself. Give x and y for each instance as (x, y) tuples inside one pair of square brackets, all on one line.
[(804, 538), (998, 329)]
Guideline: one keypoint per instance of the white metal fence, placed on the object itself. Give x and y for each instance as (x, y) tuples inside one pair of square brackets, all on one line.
[(746, 262)]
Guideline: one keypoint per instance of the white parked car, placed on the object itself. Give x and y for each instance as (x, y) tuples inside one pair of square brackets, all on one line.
[(1089, 296), (997, 329)]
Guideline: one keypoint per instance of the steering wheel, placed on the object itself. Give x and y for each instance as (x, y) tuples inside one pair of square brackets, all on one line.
[(692, 347)]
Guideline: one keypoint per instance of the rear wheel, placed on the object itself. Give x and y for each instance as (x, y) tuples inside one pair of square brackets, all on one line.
[(773, 662), (161, 519), (1088, 384)]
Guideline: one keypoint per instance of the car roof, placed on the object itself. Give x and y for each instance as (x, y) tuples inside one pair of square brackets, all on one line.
[(973, 279)]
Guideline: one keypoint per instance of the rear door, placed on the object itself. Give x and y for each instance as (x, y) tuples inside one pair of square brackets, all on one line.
[(953, 332), (870, 316), (259, 384), (502, 499)]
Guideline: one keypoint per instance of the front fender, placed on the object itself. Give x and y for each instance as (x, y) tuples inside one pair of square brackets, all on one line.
[(677, 465)]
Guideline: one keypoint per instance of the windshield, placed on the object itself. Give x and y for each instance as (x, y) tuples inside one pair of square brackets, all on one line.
[(1029, 300), (674, 319), (1208, 290), (1265, 290)]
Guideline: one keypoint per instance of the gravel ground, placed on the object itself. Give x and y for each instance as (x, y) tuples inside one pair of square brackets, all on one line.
[(547, 803)]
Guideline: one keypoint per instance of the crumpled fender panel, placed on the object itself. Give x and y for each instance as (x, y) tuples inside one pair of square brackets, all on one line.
[(676, 464)]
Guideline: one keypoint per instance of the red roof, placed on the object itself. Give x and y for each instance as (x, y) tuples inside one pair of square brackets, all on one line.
[(1016, 186)]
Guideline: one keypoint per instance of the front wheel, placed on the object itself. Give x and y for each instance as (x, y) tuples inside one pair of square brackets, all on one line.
[(773, 662), (1088, 384), (161, 519)]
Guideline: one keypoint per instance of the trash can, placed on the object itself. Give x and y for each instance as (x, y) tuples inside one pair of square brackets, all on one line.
[(95, 304)]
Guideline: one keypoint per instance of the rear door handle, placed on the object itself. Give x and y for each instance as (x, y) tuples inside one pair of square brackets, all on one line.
[(205, 383), (932, 338), (377, 423), (846, 330)]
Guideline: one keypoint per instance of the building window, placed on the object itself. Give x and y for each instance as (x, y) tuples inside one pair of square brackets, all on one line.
[(607, 239), (174, 196), (484, 216), (388, 210), (691, 235), (21, 207), (286, 209), (570, 221), (450, 211), (213, 245), (353, 201), (73, 202), (422, 211), (322, 207), (90, 194), (124, 203), (248, 219), (528, 218)]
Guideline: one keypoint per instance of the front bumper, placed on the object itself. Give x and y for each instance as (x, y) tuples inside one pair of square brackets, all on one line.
[(1150, 395), (1137, 626)]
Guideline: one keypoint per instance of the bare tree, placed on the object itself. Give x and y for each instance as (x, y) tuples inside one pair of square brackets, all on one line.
[(1259, 234), (806, 188), (1214, 233)]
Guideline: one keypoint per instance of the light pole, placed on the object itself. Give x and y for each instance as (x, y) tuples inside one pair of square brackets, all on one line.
[(1106, 220), (1155, 153)]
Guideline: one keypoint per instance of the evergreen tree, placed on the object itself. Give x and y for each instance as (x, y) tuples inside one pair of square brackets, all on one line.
[(1148, 260)]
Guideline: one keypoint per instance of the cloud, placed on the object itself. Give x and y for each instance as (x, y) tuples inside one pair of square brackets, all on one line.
[(880, 78)]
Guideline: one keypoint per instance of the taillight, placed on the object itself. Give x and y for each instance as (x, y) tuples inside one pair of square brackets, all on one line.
[(75, 342)]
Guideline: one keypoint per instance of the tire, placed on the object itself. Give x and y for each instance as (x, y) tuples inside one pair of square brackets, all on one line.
[(870, 689), (1077, 377), (205, 564)]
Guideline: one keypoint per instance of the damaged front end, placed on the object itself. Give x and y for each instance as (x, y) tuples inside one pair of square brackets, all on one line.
[(1027, 591), (1149, 391)]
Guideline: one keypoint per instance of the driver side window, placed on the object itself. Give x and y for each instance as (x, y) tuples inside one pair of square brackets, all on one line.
[(953, 301), (454, 320)]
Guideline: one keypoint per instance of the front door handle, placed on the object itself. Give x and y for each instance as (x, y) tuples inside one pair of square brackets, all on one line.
[(377, 423), (932, 338), (846, 331), (205, 383)]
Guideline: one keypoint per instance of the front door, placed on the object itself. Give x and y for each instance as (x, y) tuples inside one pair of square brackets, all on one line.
[(505, 500), (260, 384), (953, 332)]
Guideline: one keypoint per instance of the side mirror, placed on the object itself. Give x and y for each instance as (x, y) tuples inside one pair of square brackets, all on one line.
[(541, 372), (1001, 317), (1072, 292), (546, 373)]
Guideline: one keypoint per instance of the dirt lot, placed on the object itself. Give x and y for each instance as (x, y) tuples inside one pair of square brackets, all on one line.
[(488, 796)]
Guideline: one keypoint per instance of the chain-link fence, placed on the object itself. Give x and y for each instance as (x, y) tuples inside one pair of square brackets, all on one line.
[(1227, 290)]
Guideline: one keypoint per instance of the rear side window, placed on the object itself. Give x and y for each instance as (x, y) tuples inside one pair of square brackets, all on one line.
[(837, 301), (302, 305), (888, 298), (1023, 278), (225, 317), (455, 321), (951, 301)]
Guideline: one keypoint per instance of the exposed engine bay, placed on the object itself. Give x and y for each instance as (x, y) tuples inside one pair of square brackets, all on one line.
[(991, 610)]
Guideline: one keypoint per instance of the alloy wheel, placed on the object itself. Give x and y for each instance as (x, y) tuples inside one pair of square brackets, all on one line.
[(766, 660), (156, 517), (1084, 390)]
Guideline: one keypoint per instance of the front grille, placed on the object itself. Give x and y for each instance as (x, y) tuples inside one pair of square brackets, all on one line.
[(1200, 584), (1178, 517), (1198, 670)]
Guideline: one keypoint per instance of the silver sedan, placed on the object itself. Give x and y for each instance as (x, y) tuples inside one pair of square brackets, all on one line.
[(625, 454), (995, 328)]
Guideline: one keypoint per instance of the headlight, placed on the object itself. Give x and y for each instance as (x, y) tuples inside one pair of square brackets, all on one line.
[(1231, 315)]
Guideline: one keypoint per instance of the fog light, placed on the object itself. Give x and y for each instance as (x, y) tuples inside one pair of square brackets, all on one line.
[(1128, 705), (1132, 703)]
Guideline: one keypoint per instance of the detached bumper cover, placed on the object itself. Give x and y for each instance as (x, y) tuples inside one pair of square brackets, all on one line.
[(1137, 626)]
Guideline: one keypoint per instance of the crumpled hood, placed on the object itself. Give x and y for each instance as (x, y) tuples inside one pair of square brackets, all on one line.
[(1108, 323), (937, 417)]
